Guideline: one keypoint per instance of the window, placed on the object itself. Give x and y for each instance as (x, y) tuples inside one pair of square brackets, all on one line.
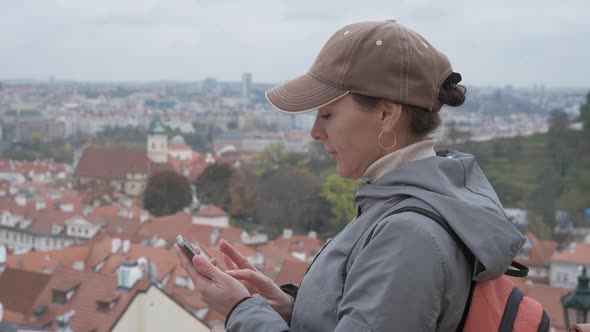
[(102, 307), (561, 277), (59, 297), (105, 306)]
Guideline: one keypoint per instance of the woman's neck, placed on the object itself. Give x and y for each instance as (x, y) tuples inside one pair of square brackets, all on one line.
[(398, 158)]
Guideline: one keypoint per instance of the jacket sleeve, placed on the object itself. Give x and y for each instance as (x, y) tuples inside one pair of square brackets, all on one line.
[(255, 314), (396, 282)]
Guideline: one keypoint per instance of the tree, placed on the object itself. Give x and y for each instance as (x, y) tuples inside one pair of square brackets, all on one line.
[(455, 135), (214, 184), (97, 191), (287, 199), (585, 114), (562, 142), (275, 157), (542, 201), (243, 190), (36, 141), (167, 193), (339, 193), (317, 157), (540, 229)]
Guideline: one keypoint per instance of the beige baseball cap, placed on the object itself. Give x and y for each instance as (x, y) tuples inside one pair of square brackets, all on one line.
[(378, 59)]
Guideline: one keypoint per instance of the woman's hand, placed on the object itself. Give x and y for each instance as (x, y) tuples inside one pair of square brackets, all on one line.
[(219, 290), (257, 283)]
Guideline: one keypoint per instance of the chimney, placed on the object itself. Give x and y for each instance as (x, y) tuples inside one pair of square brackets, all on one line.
[(40, 205), (21, 200), (144, 217), (287, 233), (115, 245), (312, 235), (87, 210), (2, 255), (214, 236), (128, 274), (63, 321), (126, 246)]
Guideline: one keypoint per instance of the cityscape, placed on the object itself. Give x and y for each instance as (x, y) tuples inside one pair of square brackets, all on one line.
[(104, 162)]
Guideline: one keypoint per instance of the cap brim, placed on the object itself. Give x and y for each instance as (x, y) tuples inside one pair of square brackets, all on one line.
[(303, 94)]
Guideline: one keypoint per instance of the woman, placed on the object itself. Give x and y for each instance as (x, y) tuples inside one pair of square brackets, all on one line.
[(378, 87)]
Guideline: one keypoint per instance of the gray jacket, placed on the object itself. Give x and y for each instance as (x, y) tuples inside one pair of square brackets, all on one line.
[(411, 276)]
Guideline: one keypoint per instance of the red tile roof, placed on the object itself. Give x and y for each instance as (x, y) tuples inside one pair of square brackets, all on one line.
[(210, 211), (116, 163), (45, 219), (245, 250), (540, 253), (291, 271), (169, 227), (299, 243), (188, 298), (274, 257), (20, 299), (93, 286), (164, 259), (579, 253), (48, 261), (179, 147)]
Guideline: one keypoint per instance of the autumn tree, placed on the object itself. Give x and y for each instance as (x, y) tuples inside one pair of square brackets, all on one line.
[(290, 198), (213, 186), (167, 193)]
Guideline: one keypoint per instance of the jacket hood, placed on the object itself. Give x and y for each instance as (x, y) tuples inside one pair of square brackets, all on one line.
[(454, 185)]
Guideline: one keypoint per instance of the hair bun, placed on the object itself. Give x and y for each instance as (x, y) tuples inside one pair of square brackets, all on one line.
[(450, 92)]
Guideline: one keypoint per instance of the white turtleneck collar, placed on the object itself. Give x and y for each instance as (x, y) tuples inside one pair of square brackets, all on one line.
[(398, 158)]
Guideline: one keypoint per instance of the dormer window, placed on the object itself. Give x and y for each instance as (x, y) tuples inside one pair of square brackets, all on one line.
[(64, 291), (106, 303), (56, 229)]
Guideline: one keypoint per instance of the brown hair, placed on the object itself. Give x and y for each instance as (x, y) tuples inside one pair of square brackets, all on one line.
[(422, 122)]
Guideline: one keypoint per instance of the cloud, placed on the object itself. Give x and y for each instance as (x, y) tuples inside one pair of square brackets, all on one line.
[(502, 42)]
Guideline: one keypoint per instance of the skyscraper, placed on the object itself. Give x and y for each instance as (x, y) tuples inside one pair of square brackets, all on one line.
[(246, 85)]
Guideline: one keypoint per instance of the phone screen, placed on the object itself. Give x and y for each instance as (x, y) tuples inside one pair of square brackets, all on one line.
[(186, 247)]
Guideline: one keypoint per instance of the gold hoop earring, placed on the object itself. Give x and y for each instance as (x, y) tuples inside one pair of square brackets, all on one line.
[(381, 145)]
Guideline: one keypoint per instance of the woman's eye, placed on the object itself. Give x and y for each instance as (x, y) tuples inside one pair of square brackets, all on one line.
[(327, 116)]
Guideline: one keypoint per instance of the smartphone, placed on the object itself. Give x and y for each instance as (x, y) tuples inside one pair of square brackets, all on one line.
[(186, 247)]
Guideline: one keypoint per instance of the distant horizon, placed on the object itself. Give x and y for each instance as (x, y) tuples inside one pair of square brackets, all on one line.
[(254, 82)]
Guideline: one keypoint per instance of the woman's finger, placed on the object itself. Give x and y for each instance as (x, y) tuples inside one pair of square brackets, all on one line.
[(229, 263), (239, 259), (256, 279), (206, 269), (213, 261)]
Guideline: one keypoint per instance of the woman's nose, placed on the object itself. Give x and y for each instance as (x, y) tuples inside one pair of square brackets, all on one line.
[(317, 133)]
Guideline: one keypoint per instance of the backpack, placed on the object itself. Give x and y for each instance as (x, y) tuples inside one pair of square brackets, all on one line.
[(493, 305)]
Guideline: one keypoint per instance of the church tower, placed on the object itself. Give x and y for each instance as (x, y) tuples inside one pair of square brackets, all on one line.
[(157, 143)]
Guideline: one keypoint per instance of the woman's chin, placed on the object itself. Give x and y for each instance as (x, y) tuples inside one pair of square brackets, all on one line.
[(345, 173)]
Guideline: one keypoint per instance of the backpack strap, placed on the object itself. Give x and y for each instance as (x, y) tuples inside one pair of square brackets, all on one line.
[(468, 255), (519, 270)]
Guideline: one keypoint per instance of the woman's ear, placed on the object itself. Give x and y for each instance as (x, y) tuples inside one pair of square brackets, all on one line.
[(391, 114)]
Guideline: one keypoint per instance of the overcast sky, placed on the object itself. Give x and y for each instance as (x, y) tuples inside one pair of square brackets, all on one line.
[(518, 42)]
